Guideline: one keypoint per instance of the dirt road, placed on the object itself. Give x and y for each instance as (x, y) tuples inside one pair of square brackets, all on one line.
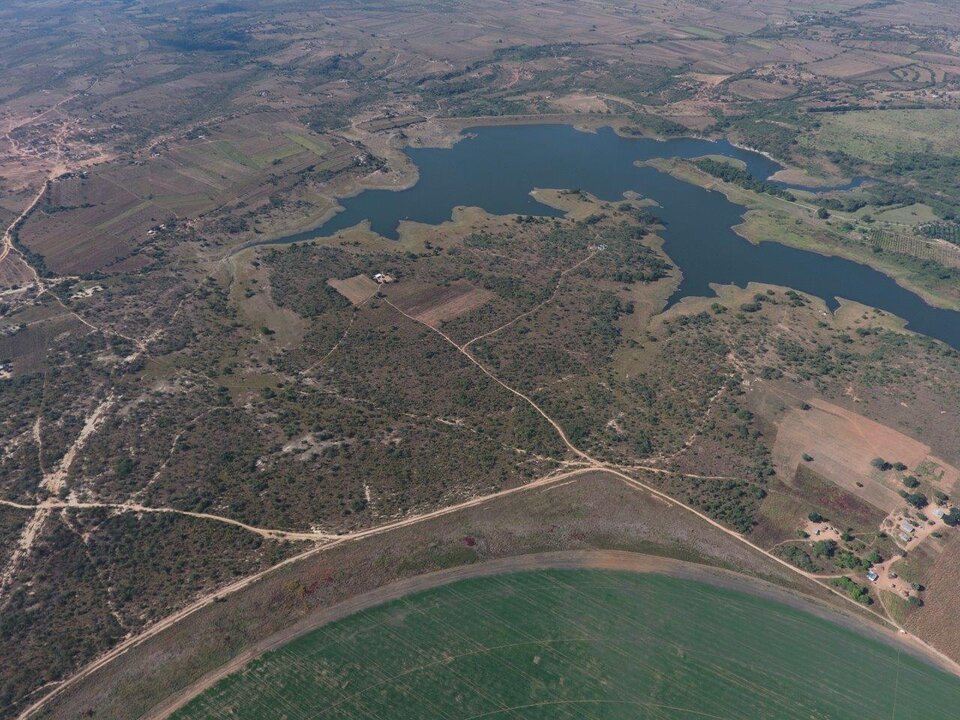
[(209, 599), (532, 310), (556, 426), (7, 245), (601, 560), (587, 464)]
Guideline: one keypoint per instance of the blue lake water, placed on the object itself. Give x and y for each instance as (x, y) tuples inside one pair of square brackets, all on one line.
[(497, 167)]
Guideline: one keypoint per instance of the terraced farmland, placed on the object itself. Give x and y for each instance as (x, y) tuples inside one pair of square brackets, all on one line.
[(582, 644)]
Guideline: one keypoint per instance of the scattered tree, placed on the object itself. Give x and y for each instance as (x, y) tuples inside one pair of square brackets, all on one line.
[(824, 548)]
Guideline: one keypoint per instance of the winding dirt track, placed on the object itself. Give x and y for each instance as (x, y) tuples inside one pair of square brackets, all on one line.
[(6, 245), (602, 560), (556, 426), (587, 464), (210, 598), (532, 310)]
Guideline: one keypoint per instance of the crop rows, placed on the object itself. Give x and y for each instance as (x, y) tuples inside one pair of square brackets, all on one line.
[(904, 244), (580, 644)]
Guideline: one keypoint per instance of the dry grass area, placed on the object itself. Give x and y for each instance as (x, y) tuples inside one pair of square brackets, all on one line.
[(854, 64), (755, 89), (436, 304), (14, 273), (357, 289), (936, 620), (230, 175), (882, 136), (580, 103), (843, 444)]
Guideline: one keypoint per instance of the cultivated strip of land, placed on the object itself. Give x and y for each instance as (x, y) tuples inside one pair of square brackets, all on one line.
[(605, 560)]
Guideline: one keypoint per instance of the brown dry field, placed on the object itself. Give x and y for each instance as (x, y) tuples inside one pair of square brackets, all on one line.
[(27, 349), (390, 123), (432, 305), (95, 223), (856, 63), (754, 89), (935, 622), (357, 289), (784, 511), (595, 511), (580, 103), (14, 273), (842, 444)]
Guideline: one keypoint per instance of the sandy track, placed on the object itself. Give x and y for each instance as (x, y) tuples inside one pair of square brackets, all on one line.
[(532, 310), (556, 426), (7, 243), (583, 559), (20, 553), (53, 482), (269, 533), (210, 598), (589, 464)]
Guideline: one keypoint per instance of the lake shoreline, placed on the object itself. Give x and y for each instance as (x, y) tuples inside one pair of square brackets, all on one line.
[(494, 168)]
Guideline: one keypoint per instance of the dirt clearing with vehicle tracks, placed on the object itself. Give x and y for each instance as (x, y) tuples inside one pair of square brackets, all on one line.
[(842, 447)]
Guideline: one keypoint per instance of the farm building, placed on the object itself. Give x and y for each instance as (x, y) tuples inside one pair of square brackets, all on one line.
[(872, 576), (906, 526), (939, 513), (904, 538)]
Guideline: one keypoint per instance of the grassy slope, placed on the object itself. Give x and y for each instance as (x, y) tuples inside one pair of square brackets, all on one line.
[(881, 135), (581, 643)]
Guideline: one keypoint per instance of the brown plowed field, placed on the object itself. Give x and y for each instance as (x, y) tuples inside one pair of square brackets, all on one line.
[(433, 304)]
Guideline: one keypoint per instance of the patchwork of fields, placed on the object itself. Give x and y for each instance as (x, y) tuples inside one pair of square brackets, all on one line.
[(581, 644), (218, 422)]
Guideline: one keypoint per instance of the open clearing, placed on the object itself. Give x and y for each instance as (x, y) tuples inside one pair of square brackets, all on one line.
[(843, 443), (880, 136), (431, 305), (754, 89), (581, 643), (357, 289)]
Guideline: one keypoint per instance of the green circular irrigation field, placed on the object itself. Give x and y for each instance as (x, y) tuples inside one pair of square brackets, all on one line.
[(581, 644)]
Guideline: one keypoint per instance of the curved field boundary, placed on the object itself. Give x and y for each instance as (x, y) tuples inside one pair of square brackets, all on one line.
[(597, 560)]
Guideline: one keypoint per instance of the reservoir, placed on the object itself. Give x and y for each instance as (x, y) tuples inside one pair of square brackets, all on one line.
[(495, 168)]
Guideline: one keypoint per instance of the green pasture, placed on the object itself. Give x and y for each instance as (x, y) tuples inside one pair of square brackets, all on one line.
[(582, 644)]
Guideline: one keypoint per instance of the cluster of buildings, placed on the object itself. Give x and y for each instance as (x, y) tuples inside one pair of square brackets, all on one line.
[(906, 531)]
